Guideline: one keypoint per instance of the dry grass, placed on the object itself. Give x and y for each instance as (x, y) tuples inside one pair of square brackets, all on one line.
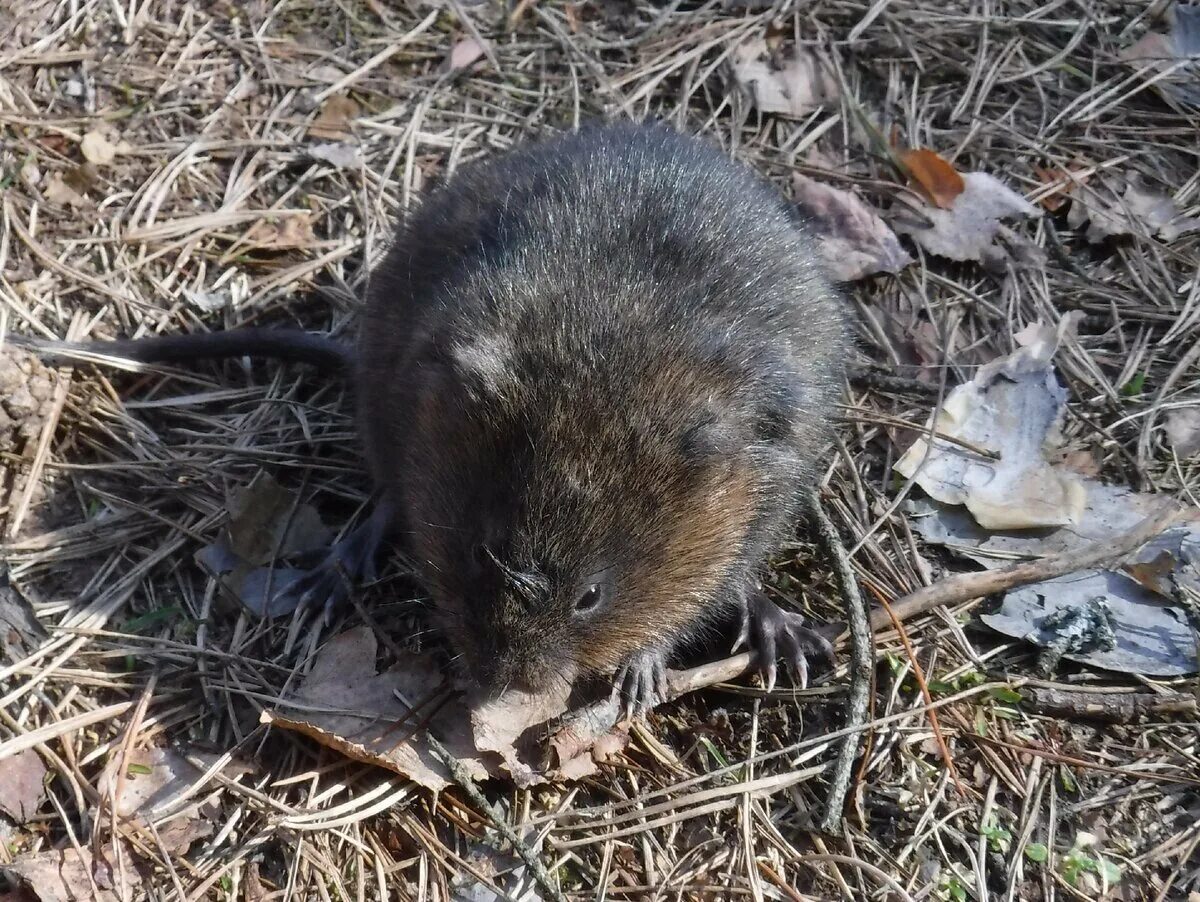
[(124, 476)]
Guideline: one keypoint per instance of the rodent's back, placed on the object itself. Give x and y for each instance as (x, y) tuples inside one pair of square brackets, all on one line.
[(616, 349), (616, 216)]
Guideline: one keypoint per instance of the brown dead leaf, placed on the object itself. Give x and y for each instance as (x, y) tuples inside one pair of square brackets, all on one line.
[(289, 232), (938, 181), (348, 706), (82, 178), (854, 240), (267, 524), (333, 122), (382, 718), (588, 735), (23, 787), (968, 230), (69, 875), (1010, 407), (794, 86), (266, 521), (504, 726)]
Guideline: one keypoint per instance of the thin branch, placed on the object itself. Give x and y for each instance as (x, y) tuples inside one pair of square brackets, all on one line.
[(463, 778), (862, 657), (965, 586)]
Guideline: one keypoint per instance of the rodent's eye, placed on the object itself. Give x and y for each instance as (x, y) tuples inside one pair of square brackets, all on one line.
[(591, 599)]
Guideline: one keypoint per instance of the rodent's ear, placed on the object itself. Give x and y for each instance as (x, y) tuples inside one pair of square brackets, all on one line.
[(711, 434), (773, 422), (720, 429)]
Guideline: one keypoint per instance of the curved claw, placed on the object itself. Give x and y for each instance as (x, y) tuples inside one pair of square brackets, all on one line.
[(775, 634), (642, 682), (326, 584)]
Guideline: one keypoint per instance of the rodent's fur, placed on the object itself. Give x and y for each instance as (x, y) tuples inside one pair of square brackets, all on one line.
[(597, 369), (610, 359)]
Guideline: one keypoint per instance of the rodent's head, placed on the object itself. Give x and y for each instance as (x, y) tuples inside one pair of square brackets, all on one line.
[(564, 515)]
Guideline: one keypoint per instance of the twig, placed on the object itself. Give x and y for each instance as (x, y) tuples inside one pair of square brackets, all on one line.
[(467, 785), (876, 378), (1111, 707), (862, 656), (966, 586)]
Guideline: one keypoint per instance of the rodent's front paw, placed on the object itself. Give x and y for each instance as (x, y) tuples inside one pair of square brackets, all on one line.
[(773, 633), (348, 561), (641, 683)]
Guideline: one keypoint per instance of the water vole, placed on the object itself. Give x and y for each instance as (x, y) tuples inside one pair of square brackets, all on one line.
[(594, 375)]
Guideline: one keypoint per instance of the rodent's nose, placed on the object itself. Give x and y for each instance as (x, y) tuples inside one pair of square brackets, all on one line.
[(502, 672)]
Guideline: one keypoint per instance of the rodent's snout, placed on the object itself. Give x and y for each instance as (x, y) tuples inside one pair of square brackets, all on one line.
[(507, 665)]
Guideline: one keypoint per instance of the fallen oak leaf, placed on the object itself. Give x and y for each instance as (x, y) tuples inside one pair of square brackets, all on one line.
[(938, 180), (853, 239), (378, 717)]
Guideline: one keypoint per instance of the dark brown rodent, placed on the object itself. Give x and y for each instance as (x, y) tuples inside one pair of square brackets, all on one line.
[(594, 375)]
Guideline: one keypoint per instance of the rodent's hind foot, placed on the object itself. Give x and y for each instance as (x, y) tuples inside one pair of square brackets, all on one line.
[(774, 634), (348, 562), (641, 683)]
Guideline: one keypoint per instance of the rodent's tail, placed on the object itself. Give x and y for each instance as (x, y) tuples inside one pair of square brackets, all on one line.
[(284, 344)]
